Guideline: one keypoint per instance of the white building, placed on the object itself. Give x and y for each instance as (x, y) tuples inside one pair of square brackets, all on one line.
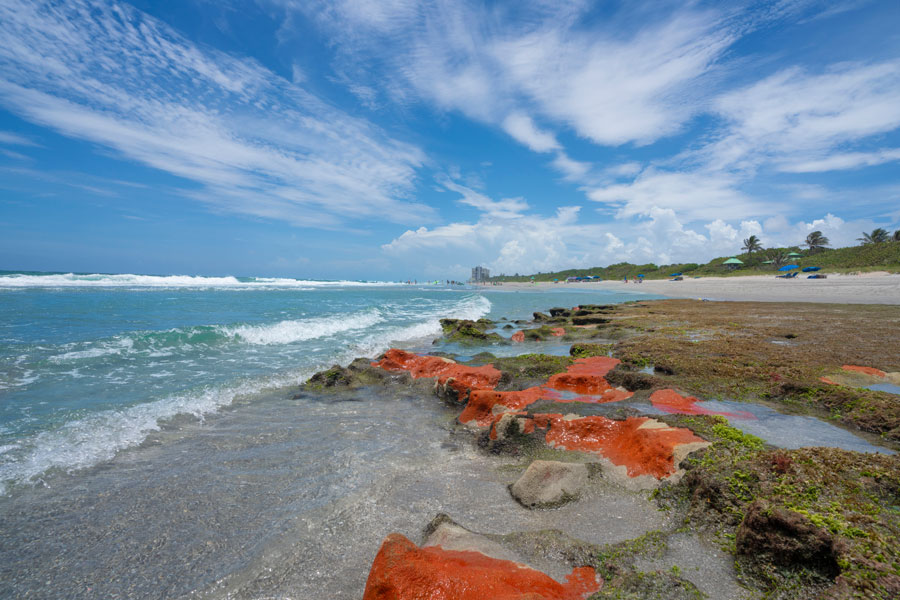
[(480, 275)]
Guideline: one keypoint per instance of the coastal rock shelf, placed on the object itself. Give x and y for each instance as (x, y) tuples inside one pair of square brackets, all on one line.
[(620, 411)]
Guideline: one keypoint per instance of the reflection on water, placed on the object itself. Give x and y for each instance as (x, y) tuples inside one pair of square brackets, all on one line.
[(791, 431)]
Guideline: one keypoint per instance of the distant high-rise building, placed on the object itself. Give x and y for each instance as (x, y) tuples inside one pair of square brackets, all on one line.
[(480, 274)]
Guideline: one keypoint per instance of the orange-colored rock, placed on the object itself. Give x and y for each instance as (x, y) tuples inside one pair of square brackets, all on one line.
[(481, 407), (828, 381), (464, 377), (866, 370), (672, 402), (558, 332), (403, 571), (643, 446), (586, 376), (518, 336)]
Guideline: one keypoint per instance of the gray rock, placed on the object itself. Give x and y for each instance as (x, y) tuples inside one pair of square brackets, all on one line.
[(550, 484)]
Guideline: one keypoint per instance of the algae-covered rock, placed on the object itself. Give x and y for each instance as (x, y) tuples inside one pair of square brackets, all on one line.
[(584, 350), (786, 538), (550, 484), (532, 366), (632, 380), (589, 319), (359, 373), (466, 331)]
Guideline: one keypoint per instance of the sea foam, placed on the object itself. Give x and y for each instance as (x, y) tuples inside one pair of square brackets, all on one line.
[(129, 280), (94, 438)]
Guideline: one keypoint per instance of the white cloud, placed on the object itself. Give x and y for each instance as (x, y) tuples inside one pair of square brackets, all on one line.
[(522, 128), (256, 143), (14, 139), (693, 195), (792, 115), (504, 208), (848, 160)]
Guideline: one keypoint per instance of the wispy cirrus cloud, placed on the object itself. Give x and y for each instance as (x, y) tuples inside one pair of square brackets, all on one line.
[(248, 141), (633, 76)]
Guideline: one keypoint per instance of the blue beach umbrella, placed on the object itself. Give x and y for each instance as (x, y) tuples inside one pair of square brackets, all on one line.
[(810, 269), (788, 268), (674, 274)]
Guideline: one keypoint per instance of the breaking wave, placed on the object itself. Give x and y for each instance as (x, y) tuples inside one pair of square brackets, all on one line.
[(128, 280)]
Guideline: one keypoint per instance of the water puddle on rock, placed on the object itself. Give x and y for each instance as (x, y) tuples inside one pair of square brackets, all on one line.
[(890, 388), (465, 352), (789, 431)]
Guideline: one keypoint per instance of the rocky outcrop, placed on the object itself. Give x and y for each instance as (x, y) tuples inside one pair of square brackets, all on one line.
[(550, 484), (865, 370), (466, 331), (587, 376), (639, 445), (447, 373), (404, 571), (359, 373), (786, 538)]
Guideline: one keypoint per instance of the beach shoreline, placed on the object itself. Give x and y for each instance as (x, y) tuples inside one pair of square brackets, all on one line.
[(865, 288)]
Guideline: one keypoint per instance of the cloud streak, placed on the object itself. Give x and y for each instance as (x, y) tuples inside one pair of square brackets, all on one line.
[(247, 140)]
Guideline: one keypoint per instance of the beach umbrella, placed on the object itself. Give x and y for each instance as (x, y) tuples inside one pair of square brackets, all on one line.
[(809, 269), (674, 274), (794, 254), (640, 274), (788, 268), (768, 262), (733, 261)]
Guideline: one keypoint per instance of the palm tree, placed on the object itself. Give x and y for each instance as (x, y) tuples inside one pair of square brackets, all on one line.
[(876, 237), (896, 237), (752, 244), (816, 241), (779, 258)]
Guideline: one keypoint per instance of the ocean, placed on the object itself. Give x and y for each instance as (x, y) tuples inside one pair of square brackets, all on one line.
[(151, 444)]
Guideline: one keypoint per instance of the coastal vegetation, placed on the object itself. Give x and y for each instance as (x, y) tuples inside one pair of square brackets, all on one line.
[(880, 254)]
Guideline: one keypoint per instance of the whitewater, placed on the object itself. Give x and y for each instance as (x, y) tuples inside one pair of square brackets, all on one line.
[(92, 364)]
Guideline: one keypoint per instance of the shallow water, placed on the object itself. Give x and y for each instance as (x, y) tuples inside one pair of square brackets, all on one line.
[(279, 497), (791, 431), (890, 388)]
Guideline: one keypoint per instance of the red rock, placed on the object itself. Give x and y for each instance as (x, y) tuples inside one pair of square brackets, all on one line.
[(866, 370), (480, 408), (464, 377), (558, 332), (403, 571), (643, 446), (828, 381), (586, 376), (672, 402), (518, 336)]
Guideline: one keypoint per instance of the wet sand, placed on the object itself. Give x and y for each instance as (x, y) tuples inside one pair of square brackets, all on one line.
[(866, 288)]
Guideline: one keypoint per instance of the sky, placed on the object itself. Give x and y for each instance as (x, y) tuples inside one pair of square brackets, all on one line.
[(398, 139)]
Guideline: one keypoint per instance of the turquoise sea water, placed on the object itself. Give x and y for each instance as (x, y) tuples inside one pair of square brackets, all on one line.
[(92, 363)]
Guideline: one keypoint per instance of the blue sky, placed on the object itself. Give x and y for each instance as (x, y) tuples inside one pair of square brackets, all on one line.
[(395, 139)]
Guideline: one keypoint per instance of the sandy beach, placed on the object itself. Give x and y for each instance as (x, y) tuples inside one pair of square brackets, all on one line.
[(865, 288)]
